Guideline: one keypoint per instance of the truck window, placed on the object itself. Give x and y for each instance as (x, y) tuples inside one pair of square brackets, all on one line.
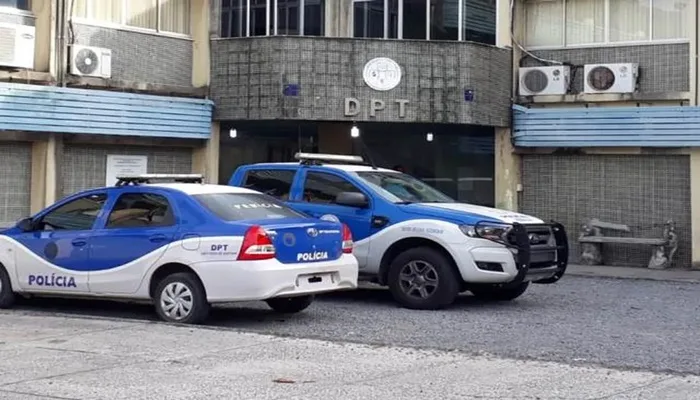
[(273, 182), (320, 187)]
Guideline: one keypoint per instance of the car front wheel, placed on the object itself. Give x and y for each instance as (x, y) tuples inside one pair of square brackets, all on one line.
[(499, 292), (290, 305), (180, 298), (423, 279)]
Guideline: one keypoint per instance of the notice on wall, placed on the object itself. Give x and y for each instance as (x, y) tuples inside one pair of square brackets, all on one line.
[(119, 165)]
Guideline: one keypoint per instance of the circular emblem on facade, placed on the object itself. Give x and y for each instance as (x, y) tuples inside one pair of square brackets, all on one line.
[(382, 74), (289, 239), (313, 232)]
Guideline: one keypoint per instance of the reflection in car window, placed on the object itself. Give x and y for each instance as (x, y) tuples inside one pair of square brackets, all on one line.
[(140, 210), (322, 188), (242, 206), (276, 183), (77, 215), (402, 188)]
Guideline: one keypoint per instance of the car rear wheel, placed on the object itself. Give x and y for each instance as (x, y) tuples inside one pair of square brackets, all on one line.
[(7, 296), (423, 279), (499, 292), (180, 298), (290, 305)]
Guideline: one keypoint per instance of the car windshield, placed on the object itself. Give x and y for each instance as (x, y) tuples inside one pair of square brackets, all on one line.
[(243, 206), (401, 188)]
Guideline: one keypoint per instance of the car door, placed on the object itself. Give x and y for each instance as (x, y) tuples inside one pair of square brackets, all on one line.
[(54, 255), (319, 190), (133, 237)]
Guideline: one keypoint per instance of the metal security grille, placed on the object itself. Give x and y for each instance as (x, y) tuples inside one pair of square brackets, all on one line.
[(85, 166), (15, 182), (642, 191)]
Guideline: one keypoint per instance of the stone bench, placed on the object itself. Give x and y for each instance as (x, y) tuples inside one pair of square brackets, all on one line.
[(592, 240)]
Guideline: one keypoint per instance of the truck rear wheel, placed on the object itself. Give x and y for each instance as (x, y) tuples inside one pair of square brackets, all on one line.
[(498, 292), (423, 279)]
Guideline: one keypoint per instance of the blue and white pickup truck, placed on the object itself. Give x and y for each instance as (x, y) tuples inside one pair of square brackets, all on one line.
[(409, 236)]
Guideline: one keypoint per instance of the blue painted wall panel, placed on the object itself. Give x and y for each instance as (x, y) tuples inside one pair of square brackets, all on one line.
[(607, 127), (66, 110)]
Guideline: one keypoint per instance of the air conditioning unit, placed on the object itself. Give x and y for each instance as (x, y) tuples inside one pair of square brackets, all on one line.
[(90, 61), (17, 45), (540, 81), (610, 78)]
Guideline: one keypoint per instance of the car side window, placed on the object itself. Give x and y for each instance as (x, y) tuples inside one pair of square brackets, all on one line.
[(273, 182), (320, 187), (77, 215), (140, 210)]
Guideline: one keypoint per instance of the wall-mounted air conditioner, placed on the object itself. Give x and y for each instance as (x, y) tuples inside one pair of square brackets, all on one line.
[(90, 61), (610, 78), (539, 81), (17, 45)]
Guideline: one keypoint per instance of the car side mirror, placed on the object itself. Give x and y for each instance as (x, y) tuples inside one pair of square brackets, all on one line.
[(352, 199), (26, 224)]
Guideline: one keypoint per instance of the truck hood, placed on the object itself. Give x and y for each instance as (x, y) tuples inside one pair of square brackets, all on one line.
[(469, 213)]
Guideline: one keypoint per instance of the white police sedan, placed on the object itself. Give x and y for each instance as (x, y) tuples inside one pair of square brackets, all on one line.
[(182, 244)]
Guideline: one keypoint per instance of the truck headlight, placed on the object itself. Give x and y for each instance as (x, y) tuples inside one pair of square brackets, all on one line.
[(490, 231)]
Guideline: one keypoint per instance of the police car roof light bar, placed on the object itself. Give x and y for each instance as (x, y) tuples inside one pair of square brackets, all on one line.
[(124, 180), (319, 158)]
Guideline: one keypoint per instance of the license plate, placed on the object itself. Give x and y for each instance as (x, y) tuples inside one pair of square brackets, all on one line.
[(314, 281)]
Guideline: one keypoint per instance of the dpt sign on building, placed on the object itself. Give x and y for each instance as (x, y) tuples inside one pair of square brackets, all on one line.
[(312, 89)]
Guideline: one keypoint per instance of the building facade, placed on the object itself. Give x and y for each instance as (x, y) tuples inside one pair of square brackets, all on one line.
[(606, 121), (93, 88), (418, 80)]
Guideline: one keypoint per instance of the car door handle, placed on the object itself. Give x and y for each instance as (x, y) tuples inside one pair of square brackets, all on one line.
[(157, 238), (79, 242)]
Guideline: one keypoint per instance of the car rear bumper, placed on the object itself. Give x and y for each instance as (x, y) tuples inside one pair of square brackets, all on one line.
[(518, 261), (261, 280)]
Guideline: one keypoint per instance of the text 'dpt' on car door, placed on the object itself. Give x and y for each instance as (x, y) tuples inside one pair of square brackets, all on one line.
[(136, 234), (55, 256)]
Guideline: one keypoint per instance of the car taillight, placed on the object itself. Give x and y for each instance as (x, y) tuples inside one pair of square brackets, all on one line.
[(347, 239), (257, 245)]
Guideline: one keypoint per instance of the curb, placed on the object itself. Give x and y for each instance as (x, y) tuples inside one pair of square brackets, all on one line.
[(634, 273)]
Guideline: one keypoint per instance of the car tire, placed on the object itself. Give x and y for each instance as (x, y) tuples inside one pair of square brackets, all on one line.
[(426, 264), (498, 292), (290, 305), (185, 287), (7, 296)]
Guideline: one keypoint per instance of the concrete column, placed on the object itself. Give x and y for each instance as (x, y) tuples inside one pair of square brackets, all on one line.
[(695, 205), (200, 27), (338, 18), (507, 171), (205, 159), (44, 175), (334, 138)]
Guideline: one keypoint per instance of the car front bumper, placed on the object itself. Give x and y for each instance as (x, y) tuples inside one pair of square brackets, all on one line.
[(261, 280), (517, 260)]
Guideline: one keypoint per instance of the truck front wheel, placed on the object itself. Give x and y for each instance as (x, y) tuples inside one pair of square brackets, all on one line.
[(498, 292), (423, 279)]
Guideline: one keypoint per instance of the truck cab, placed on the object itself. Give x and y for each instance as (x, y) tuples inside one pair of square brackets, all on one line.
[(422, 244)]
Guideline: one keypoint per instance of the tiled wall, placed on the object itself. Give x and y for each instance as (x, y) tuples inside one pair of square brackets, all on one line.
[(248, 76), (141, 57), (642, 191), (663, 67), (85, 166), (15, 182)]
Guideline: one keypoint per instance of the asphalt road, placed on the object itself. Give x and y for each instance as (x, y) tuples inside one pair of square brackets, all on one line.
[(627, 324)]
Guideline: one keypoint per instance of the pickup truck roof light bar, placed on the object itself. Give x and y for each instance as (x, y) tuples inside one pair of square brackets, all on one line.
[(319, 158), (126, 180)]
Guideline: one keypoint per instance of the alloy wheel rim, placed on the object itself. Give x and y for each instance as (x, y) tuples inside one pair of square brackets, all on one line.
[(418, 279), (176, 301)]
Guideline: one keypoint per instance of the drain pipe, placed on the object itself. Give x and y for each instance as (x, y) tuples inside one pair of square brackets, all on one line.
[(697, 61), (61, 43)]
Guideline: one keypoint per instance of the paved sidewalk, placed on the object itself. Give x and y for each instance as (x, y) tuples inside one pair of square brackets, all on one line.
[(50, 357), (606, 271)]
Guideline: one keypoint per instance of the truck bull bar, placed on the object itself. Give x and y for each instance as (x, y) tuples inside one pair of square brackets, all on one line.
[(519, 238)]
